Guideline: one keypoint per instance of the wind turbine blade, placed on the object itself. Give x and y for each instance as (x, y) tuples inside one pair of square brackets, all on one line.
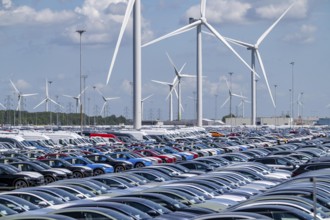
[(128, 12), (103, 107), (147, 97), (187, 76), (176, 93), (181, 69), (173, 33), (31, 94), (224, 41), (265, 75), (182, 107), (111, 98), (225, 102), (2, 106), (40, 103), (240, 104), (239, 43), (160, 82), (239, 96), (227, 84), (54, 102), (203, 8), (82, 92), (16, 90), (172, 63), (263, 36), (69, 96)]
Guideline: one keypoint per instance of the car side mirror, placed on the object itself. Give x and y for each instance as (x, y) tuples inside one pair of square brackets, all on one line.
[(80, 196), (42, 204), (152, 213)]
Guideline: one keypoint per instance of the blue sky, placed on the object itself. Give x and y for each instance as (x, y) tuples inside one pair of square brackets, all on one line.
[(38, 42)]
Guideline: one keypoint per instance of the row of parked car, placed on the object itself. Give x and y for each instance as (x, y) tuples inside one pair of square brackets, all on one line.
[(222, 184)]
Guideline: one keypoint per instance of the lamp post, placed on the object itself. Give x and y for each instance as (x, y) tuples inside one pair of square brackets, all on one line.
[(290, 104), (84, 106), (275, 119), (230, 96), (81, 105), (292, 93), (50, 109), (215, 107)]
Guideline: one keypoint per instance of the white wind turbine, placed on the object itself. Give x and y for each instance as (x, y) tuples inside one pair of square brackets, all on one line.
[(136, 56), (231, 94), (197, 23), (177, 81), (105, 100), (169, 96), (242, 104), (77, 98), (20, 95), (142, 101), (255, 53), (47, 99)]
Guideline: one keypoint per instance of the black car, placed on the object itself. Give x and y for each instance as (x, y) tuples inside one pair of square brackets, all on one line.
[(77, 171), (49, 175), (310, 167), (12, 178), (118, 165), (68, 173)]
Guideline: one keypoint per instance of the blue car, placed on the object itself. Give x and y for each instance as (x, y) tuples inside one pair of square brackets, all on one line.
[(136, 161), (98, 168), (170, 150)]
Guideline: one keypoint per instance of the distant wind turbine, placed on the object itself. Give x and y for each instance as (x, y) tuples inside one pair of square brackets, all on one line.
[(77, 98), (105, 100), (177, 81), (47, 99), (170, 96), (20, 95), (231, 94), (142, 101), (197, 23), (242, 104)]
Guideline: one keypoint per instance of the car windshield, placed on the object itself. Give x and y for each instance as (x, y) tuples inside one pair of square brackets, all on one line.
[(45, 166), (16, 202)]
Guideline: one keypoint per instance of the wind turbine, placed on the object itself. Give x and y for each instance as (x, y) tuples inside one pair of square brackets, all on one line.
[(231, 94), (255, 53), (177, 81), (197, 23), (169, 96), (20, 95), (142, 101), (77, 98), (105, 100), (242, 104), (136, 56), (47, 99)]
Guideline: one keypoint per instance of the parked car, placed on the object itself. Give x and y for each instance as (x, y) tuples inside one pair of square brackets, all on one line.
[(13, 178)]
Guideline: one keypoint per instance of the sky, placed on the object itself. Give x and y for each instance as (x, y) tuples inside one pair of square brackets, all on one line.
[(39, 43)]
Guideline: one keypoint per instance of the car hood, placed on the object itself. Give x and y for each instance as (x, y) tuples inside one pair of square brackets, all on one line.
[(31, 174)]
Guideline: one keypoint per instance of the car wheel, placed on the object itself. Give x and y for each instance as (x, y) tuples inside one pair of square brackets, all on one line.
[(139, 164), (119, 168), (77, 174), (98, 172), (49, 179), (20, 184)]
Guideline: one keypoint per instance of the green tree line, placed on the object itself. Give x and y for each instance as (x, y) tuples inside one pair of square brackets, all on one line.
[(11, 117)]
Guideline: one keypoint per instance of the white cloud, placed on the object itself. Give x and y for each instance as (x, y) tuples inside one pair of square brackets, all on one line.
[(304, 35), (29, 16), (6, 4), (222, 11), (273, 11)]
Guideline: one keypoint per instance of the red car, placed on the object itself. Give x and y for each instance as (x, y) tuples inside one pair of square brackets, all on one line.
[(166, 158)]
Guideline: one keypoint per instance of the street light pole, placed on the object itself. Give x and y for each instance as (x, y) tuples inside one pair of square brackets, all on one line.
[(290, 104), (50, 109), (81, 105), (292, 93), (275, 119)]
